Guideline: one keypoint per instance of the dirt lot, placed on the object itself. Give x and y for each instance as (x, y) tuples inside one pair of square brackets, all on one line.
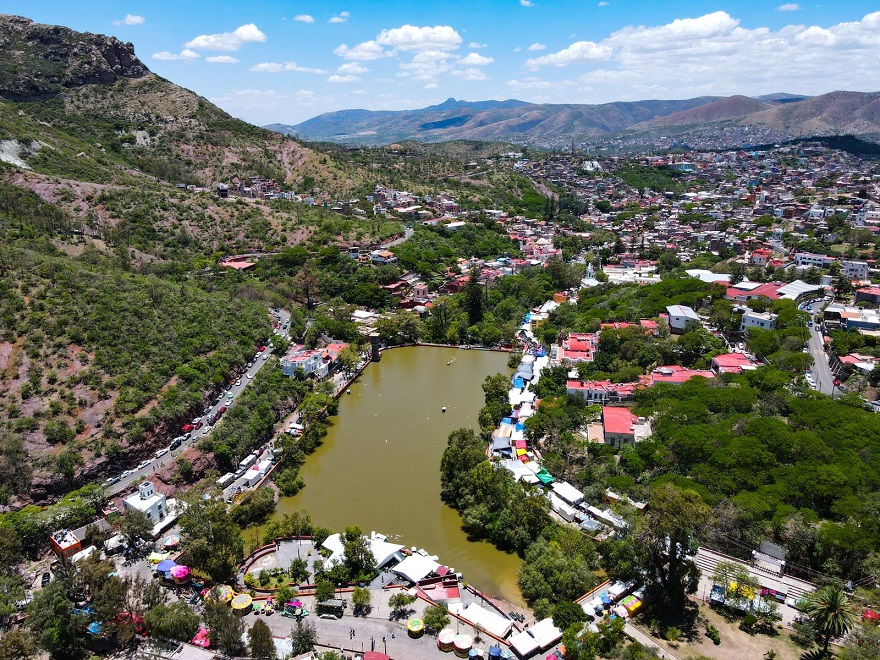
[(735, 643)]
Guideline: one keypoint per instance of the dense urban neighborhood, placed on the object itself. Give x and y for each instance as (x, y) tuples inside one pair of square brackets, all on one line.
[(631, 393)]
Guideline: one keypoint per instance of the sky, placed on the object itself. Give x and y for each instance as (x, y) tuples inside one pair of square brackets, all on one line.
[(286, 61)]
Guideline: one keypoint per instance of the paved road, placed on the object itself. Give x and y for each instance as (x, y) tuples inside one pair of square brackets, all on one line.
[(820, 370), (397, 241), (235, 390)]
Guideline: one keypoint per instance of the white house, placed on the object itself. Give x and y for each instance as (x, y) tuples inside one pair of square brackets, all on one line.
[(147, 501), (810, 260), (753, 319), (680, 316), (854, 270)]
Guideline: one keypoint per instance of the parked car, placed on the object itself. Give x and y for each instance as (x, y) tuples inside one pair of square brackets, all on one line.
[(143, 464), (111, 480), (188, 427), (175, 443), (262, 348), (199, 424), (127, 473), (238, 382), (161, 452), (250, 376), (46, 579), (266, 357), (186, 436), (222, 410)]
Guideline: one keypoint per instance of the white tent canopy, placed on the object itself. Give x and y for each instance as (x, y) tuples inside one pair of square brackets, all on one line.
[(416, 567), (524, 644)]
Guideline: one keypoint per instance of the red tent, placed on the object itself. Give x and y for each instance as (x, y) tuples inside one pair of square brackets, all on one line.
[(375, 655)]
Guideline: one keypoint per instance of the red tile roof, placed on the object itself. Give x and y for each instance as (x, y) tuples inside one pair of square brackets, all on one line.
[(618, 420)]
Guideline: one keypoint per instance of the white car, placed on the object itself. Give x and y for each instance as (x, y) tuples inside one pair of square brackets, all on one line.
[(127, 473), (266, 357), (143, 464), (161, 452), (250, 376), (238, 382)]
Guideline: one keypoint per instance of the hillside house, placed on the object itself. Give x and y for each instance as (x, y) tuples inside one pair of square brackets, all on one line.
[(622, 427)]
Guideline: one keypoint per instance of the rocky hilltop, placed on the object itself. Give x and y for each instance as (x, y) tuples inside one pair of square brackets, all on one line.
[(42, 60)]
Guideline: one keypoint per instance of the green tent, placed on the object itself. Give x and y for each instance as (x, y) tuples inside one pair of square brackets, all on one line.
[(544, 476)]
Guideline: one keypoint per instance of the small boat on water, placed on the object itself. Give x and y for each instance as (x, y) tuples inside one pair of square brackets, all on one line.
[(348, 391), (443, 409), (448, 363)]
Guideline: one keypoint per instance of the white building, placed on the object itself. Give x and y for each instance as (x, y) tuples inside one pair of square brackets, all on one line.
[(147, 501), (680, 316), (854, 270), (752, 319), (810, 260)]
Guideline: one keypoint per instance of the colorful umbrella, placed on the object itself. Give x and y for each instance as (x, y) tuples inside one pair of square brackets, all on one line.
[(180, 572), (171, 541), (222, 593), (415, 625), (165, 565), (242, 602), (156, 557)]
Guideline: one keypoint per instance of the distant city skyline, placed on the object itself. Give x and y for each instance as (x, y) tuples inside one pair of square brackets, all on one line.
[(271, 61)]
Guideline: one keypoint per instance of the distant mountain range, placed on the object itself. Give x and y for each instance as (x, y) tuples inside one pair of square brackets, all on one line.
[(835, 113)]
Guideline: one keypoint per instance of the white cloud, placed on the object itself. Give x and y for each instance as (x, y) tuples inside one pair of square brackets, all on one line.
[(352, 69), (278, 67), (245, 100), (410, 37), (603, 4), (537, 46), (366, 50), (578, 52), (228, 41), (517, 49), (528, 84), (343, 79), (789, 6), (186, 55), (526, 3), (470, 74), (477, 44), (130, 19), (714, 55), (221, 59), (341, 17), (431, 85), (475, 59), (304, 18)]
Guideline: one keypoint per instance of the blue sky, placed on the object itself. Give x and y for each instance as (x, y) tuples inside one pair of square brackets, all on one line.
[(286, 61)]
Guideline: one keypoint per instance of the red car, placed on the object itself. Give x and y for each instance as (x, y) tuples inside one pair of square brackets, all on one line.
[(221, 410), (188, 427), (199, 425), (262, 348)]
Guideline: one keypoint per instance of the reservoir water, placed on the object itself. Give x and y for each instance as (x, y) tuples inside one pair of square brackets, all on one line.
[(379, 466)]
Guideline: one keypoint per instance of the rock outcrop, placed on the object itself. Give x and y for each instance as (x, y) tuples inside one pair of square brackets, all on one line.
[(38, 62)]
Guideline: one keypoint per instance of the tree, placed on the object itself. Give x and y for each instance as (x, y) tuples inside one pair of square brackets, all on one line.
[(436, 617), (567, 614), (299, 570), (359, 560), (136, 527), (212, 538), (473, 298), (667, 536), (399, 603), (16, 644), (360, 598), (863, 643), (324, 590), (176, 621), (225, 628), (52, 621), (303, 637), (831, 613), (260, 641)]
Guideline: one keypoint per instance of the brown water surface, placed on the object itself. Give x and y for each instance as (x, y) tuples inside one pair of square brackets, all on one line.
[(379, 466)]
